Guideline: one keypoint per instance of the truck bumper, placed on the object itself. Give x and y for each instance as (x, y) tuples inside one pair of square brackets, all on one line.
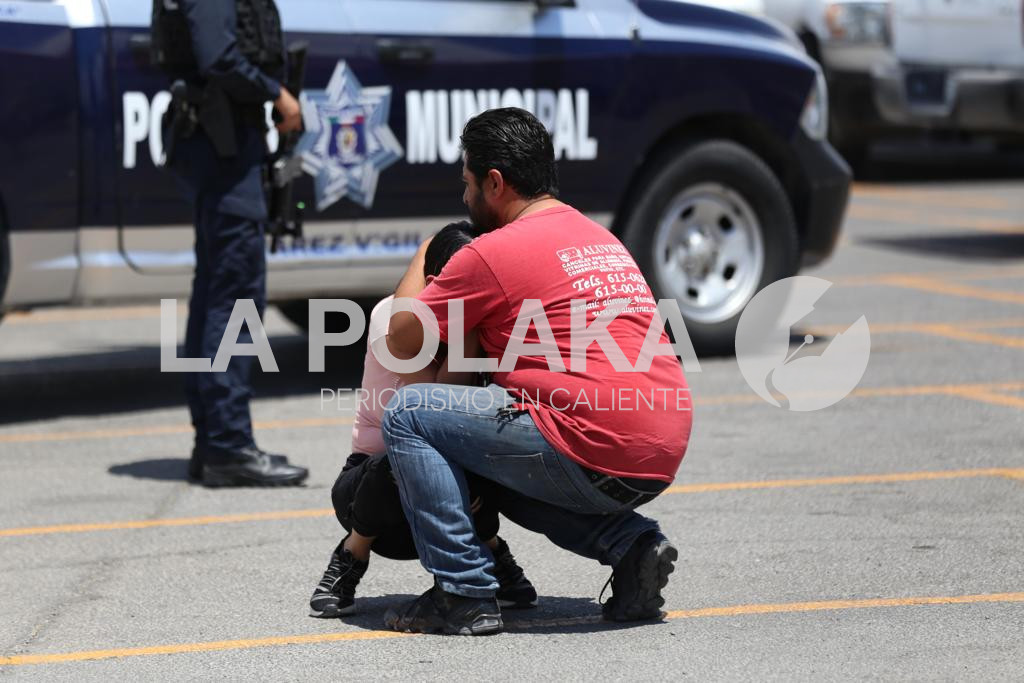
[(972, 100), (821, 198), (855, 117)]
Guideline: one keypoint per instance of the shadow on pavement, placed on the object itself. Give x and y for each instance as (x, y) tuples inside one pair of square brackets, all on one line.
[(979, 246), (129, 379), (930, 160), (552, 615), (159, 469)]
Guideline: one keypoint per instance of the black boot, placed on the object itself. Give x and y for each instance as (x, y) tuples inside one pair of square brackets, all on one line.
[(514, 590), (250, 467), (195, 464), (335, 595)]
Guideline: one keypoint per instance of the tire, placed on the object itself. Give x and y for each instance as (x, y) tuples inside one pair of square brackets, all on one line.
[(710, 228)]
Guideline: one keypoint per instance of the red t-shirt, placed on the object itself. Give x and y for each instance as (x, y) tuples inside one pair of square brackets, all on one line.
[(632, 424)]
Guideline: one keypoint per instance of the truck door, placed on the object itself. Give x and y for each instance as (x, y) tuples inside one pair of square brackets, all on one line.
[(447, 60), (39, 148), (155, 232)]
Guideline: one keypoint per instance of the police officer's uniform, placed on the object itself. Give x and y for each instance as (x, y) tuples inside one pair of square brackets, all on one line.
[(230, 53)]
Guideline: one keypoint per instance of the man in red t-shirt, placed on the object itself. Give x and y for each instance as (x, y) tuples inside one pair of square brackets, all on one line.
[(588, 416)]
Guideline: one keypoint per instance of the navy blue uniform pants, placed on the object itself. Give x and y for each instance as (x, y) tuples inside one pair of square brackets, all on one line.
[(230, 212), (230, 265)]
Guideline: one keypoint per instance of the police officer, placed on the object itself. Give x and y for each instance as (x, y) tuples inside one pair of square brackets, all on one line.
[(227, 58)]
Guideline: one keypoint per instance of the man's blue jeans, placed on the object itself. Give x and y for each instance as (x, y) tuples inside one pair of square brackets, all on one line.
[(436, 432)]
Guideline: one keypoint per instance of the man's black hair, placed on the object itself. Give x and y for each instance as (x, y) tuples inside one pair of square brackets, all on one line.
[(514, 142), (446, 242)]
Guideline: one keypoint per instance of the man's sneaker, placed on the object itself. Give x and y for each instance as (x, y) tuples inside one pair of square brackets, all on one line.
[(638, 579), (514, 590), (335, 595), (439, 612)]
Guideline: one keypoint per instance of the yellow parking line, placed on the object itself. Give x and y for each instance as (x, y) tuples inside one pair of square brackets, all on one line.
[(928, 284), (65, 315), (846, 480), (955, 275), (34, 437), (994, 398), (950, 332), (943, 198), (785, 607), (961, 330), (157, 523), (926, 221), (319, 638), (928, 475), (726, 399), (890, 328), (876, 392)]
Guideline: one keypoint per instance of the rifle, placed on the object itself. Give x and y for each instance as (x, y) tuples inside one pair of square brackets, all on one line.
[(285, 215)]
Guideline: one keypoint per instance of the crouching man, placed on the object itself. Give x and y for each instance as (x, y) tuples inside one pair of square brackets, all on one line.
[(577, 438)]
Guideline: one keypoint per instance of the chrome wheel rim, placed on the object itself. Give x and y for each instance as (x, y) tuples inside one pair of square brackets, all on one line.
[(709, 252)]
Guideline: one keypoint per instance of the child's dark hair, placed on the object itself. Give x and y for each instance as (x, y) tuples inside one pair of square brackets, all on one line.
[(446, 242)]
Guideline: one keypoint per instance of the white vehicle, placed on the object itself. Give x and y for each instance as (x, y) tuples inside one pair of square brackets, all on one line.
[(852, 41), (959, 66)]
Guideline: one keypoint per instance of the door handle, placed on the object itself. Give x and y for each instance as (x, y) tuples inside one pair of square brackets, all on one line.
[(404, 52), (141, 45)]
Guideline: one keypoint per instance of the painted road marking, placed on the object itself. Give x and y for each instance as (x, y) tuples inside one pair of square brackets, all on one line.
[(945, 221), (698, 613), (988, 273), (970, 391), (928, 284), (888, 478), (165, 429), (977, 392), (108, 313), (969, 199), (962, 330)]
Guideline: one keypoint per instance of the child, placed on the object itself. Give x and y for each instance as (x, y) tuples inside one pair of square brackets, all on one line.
[(365, 496)]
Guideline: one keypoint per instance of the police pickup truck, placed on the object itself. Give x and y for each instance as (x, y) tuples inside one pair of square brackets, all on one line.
[(696, 135)]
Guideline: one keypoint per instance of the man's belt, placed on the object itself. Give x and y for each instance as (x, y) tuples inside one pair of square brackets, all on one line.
[(626, 490)]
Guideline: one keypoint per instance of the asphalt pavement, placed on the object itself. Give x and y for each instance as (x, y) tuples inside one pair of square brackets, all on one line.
[(882, 537)]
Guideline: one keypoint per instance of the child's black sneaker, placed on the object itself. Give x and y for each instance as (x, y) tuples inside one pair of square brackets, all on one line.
[(514, 590), (335, 596)]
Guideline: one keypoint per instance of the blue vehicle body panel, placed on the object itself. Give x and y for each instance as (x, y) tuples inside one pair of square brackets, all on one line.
[(39, 118), (638, 91), (68, 161)]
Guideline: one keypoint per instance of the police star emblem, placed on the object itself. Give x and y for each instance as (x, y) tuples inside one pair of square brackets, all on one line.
[(347, 141)]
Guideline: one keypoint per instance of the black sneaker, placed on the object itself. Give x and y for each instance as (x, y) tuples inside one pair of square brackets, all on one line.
[(514, 590), (335, 595), (638, 579), (439, 612)]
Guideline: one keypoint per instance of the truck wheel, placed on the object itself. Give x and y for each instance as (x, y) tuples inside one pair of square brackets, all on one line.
[(712, 227)]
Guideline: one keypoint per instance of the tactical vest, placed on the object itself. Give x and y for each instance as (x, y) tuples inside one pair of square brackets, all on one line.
[(258, 30)]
